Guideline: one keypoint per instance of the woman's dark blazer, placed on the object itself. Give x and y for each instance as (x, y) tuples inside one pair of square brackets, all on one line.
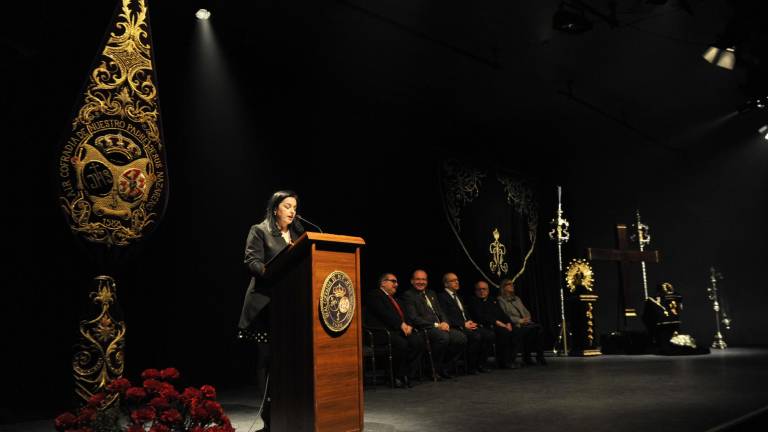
[(263, 244)]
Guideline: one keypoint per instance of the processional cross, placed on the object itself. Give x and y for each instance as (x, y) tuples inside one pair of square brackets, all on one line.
[(623, 256)]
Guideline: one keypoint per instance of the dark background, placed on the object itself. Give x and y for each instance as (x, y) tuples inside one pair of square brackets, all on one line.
[(353, 104)]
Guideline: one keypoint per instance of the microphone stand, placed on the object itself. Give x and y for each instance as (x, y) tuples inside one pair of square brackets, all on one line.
[(310, 223)]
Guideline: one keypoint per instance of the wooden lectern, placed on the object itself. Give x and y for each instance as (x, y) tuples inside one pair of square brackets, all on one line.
[(316, 374)]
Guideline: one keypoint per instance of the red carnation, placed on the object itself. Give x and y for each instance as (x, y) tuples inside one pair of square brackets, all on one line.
[(153, 385), (208, 391), (199, 413), (64, 421), (169, 374), (96, 400), (135, 393), (169, 393), (119, 385), (159, 403), (159, 427), (143, 414), (172, 416), (150, 374), (86, 415), (190, 394), (214, 409)]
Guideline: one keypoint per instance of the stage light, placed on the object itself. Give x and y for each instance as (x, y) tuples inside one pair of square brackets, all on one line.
[(723, 57), (764, 130), (755, 103), (203, 14)]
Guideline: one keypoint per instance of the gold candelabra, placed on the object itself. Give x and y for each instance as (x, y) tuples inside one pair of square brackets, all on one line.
[(719, 341)]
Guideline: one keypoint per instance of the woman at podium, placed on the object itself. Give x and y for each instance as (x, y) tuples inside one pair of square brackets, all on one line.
[(279, 228)]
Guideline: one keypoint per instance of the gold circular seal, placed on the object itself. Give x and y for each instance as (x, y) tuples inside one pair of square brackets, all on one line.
[(337, 301), (579, 272)]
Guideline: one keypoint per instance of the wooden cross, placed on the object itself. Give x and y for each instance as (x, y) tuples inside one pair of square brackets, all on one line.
[(623, 256)]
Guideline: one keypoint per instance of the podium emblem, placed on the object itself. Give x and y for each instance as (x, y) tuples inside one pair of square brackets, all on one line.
[(337, 301)]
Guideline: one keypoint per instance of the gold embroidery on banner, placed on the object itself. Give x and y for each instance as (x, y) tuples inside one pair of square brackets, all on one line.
[(498, 253), (111, 168), (99, 358)]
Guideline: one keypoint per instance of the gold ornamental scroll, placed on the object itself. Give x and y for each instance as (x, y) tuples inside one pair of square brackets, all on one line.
[(112, 166)]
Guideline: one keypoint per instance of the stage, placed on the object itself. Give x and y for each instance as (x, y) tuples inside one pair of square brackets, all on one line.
[(727, 390)]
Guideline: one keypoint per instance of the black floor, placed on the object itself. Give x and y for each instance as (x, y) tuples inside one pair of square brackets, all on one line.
[(722, 391)]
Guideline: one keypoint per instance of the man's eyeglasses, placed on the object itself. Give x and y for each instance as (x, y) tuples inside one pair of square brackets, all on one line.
[(390, 280)]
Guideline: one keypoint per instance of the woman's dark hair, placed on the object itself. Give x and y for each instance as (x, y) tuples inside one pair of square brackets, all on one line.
[(275, 201)]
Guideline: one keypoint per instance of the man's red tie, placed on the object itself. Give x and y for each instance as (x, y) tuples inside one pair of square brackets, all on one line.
[(397, 306)]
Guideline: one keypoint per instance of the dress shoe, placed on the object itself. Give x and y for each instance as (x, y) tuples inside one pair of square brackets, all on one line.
[(406, 382)]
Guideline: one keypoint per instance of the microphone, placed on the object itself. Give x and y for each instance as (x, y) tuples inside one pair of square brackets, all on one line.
[(304, 220)]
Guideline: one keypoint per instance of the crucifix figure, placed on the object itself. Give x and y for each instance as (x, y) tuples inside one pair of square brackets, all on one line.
[(623, 256)]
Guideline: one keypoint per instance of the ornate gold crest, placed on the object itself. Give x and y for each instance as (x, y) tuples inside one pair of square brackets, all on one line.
[(498, 255), (100, 353), (111, 168), (337, 301), (579, 272)]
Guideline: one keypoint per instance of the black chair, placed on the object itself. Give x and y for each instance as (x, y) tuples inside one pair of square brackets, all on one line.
[(430, 360), (376, 348)]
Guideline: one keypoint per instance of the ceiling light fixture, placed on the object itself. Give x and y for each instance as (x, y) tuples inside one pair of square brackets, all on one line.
[(203, 14), (725, 57)]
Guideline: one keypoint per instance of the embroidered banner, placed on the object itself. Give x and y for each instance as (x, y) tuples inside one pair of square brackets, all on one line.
[(112, 168), (494, 217)]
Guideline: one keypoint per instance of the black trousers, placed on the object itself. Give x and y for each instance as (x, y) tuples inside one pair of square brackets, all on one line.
[(479, 346), (532, 335), (508, 345), (446, 346), (406, 351)]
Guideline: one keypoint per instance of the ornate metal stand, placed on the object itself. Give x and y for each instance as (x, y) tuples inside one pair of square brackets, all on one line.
[(560, 235), (642, 237), (99, 355), (714, 276)]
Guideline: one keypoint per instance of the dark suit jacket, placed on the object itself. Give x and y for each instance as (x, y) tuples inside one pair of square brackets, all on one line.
[(418, 313), (379, 311), (486, 311), (451, 310), (262, 245)]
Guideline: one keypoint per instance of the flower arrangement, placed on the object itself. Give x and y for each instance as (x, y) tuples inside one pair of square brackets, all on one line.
[(155, 406)]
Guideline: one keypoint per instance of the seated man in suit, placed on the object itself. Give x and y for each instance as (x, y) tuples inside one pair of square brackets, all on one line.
[(422, 309), (532, 333), (479, 340), (489, 316), (383, 311)]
